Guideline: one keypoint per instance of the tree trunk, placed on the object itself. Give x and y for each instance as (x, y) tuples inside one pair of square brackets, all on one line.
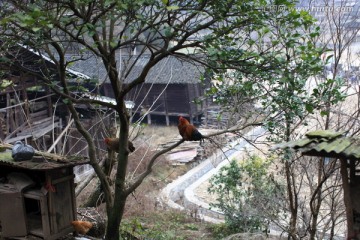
[(116, 213), (95, 198), (292, 201), (114, 219), (291, 188), (121, 193), (315, 204)]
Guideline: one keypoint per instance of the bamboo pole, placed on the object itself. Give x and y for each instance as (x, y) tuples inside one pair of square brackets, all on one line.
[(60, 136)]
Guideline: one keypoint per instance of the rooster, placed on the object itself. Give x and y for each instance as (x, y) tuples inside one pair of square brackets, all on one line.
[(113, 144), (81, 227), (188, 131)]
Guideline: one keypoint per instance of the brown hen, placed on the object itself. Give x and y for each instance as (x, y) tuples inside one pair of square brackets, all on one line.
[(113, 144), (82, 227)]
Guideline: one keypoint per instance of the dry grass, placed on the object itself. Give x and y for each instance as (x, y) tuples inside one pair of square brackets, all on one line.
[(145, 198), (153, 136)]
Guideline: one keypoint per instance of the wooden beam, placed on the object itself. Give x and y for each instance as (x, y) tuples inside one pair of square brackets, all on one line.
[(39, 114), (60, 136), (18, 138), (41, 132), (40, 126), (8, 106)]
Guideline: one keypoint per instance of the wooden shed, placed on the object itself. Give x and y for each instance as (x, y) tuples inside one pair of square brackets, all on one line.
[(26, 108), (31, 112), (37, 196), (346, 149), (170, 89)]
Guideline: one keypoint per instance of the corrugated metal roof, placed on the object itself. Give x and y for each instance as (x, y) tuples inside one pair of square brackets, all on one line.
[(40, 162), (293, 144), (328, 134), (325, 143)]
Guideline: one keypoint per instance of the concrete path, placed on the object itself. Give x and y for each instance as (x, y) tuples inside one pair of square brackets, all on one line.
[(180, 194)]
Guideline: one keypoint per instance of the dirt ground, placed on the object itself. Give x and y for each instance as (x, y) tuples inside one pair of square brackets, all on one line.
[(144, 203)]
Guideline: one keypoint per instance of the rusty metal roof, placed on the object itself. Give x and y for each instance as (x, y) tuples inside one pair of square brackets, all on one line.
[(40, 162), (325, 143)]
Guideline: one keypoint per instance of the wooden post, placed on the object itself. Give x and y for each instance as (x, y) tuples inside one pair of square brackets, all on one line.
[(167, 119), (52, 214), (25, 99), (17, 117), (187, 99), (149, 119), (166, 109), (2, 126), (9, 116), (206, 112), (43, 142), (352, 171), (347, 199), (48, 99)]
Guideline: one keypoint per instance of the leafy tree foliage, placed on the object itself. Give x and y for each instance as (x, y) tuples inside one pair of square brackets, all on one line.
[(281, 57), (285, 93)]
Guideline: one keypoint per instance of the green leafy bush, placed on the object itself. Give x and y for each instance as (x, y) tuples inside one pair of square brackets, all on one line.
[(246, 194)]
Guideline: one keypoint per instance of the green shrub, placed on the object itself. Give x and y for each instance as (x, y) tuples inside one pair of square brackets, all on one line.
[(246, 194)]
